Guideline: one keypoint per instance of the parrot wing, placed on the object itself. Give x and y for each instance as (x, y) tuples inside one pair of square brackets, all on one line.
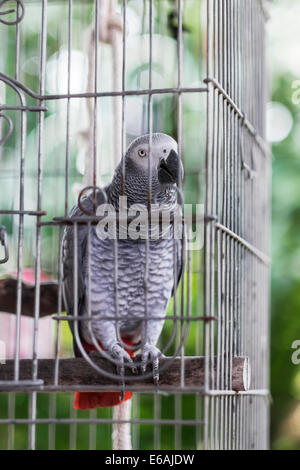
[(68, 260)]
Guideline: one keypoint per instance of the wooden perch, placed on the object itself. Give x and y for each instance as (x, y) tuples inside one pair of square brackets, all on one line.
[(48, 297), (78, 372)]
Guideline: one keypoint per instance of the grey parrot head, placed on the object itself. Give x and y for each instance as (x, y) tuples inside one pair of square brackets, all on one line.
[(166, 166), (163, 162)]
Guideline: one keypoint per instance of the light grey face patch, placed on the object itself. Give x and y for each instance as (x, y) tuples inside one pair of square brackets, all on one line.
[(139, 151)]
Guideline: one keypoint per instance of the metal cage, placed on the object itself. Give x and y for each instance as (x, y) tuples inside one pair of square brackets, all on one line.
[(74, 80)]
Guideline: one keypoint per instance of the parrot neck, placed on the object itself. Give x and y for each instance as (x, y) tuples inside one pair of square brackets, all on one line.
[(136, 189)]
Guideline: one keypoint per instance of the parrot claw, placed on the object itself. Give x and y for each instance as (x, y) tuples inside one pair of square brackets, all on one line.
[(121, 355), (121, 373), (122, 394), (153, 353), (155, 368)]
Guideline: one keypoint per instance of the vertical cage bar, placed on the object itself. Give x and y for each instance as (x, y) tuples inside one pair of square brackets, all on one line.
[(43, 53), (67, 163)]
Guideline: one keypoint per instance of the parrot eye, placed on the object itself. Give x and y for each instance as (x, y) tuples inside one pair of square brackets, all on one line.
[(142, 153)]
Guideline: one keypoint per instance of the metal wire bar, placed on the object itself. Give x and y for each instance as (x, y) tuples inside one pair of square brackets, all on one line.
[(22, 386), (168, 317), (67, 160), (103, 94), (23, 108), (33, 396), (160, 422)]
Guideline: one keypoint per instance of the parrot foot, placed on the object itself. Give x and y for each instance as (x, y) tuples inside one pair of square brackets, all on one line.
[(153, 353), (122, 356)]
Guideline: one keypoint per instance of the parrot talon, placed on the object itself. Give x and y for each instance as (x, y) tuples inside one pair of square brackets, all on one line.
[(121, 355), (155, 366), (153, 353), (121, 373), (122, 394)]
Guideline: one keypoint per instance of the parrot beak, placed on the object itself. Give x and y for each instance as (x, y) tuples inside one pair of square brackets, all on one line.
[(170, 170)]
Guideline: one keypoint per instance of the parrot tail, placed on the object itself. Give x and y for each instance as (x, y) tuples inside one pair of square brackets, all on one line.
[(91, 400)]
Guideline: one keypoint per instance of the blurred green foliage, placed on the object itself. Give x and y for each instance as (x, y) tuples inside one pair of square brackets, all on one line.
[(285, 298)]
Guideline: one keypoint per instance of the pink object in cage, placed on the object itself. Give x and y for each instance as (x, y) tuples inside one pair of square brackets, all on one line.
[(45, 346)]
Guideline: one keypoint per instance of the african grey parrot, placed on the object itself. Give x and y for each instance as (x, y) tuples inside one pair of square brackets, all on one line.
[(166, 169)]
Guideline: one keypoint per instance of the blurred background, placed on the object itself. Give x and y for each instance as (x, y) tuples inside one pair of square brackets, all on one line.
[(283, 127), (284, 134)]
